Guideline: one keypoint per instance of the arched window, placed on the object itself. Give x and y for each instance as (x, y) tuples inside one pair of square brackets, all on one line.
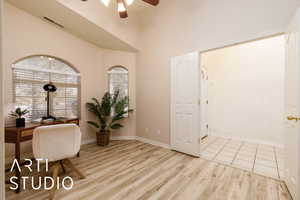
[(32, 73), (118, 80)]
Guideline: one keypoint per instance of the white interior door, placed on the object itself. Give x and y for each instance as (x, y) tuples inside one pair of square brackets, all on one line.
[(185, 121), (204, 102), (292, 105)]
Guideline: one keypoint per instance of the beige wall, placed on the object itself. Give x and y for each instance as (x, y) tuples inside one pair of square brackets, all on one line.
[(26, 35), (183, 26), (246, 91), (127, 60)]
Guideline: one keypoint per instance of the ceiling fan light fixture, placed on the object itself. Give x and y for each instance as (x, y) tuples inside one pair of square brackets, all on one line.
[(122, 4), (121, 7), (105, 2), (129, 2)]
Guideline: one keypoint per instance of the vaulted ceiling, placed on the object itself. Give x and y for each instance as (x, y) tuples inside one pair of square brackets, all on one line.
[(91, 21)]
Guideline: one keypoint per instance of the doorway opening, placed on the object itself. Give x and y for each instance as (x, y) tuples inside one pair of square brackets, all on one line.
[(242, 106)]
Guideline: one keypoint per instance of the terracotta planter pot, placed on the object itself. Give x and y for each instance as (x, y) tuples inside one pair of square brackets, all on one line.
[(103, 138)]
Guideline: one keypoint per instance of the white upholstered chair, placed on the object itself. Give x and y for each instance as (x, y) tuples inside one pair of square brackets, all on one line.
[(57, 143)]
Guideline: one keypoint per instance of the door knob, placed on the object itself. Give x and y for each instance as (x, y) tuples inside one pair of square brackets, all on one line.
[(293, 118)]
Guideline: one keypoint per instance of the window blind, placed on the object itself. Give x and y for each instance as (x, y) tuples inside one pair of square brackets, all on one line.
[(118, 81), (29, 79)]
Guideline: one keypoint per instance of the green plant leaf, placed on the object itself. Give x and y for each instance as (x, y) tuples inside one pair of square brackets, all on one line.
[(95, 108), (116, 126), (106, 105), (115, 97), (118, 116), (93, 124), (103, 110), (18, 113), (24, 112), (13, 115), (92, 108), (121, 105)]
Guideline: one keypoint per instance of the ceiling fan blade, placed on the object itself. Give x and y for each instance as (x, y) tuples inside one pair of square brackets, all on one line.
[(152, 2)]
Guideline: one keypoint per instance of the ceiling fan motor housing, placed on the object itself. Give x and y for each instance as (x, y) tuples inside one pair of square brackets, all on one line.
[(123, 12)]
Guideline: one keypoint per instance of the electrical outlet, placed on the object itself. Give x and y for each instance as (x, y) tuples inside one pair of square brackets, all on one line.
[(158, 132)]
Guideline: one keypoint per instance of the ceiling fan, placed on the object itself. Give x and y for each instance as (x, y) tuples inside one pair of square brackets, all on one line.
[(122, 5)]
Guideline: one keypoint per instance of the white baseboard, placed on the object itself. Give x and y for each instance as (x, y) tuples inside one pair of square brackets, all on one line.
[(141, 139), (89, 141), (93, 140), (123, 138), (248, 140), (153, 142)]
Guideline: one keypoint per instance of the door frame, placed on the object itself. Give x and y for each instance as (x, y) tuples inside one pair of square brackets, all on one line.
[(241, 42), (244, 42), (201, 96), (291, 111), (200, 52), (235, 44), (2, 154)]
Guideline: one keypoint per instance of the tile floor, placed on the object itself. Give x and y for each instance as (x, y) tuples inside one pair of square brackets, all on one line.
[(261, 159)]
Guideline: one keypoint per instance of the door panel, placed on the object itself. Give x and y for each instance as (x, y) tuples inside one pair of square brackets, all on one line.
[(292, 106), (184, 104)]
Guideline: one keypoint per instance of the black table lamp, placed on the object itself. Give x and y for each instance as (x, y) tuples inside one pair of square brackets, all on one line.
[(49, 87)]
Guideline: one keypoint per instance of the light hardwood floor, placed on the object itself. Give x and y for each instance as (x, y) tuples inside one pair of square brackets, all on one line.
[(132, 170)]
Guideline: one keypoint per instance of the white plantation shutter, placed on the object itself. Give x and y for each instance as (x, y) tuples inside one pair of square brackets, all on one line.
[(118, 80), (29, 77)]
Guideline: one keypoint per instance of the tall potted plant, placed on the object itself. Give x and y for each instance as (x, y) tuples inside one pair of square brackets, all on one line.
[(18, 114), (108, 112)]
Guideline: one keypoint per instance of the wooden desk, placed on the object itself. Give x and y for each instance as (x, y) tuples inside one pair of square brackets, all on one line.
[(14, 135)]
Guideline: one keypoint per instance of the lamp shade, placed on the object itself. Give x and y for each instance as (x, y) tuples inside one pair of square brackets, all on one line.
[(50, 87)]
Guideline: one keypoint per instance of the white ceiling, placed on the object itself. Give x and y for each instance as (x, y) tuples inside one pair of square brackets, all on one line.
[(77, 24)]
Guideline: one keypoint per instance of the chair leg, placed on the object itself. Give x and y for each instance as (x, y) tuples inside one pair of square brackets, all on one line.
[(62, 166), (54, 176), (70, 164)]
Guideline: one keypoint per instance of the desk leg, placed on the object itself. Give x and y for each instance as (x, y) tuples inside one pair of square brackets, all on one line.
[(18, 158), (78, 154)]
